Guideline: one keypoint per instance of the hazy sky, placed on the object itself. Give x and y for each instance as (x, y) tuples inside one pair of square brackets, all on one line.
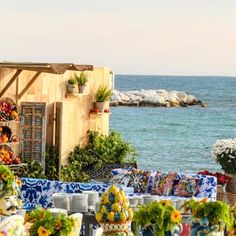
[(171, 37)]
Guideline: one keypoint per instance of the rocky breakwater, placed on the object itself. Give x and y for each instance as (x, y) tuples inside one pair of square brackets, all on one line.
[(154, 98)]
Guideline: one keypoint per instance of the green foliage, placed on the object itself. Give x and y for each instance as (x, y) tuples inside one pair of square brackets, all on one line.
[(52, 163), (72, 81), (35, 169), (156, 217), (82, 79), (103, 94), (43, 222), (101, 149), (218, 212)]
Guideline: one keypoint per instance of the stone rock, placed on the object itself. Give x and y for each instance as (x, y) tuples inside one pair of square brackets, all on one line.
[(155, 98)]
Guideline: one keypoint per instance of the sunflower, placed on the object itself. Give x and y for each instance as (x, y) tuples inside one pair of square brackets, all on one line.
[(165, 202), (42, 231), (5, 176), (176, 216)]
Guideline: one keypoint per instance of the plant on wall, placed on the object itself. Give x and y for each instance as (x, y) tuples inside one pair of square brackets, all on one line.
[(100, 150)]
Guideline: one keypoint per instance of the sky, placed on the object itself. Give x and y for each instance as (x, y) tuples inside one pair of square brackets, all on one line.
[(156, 37)]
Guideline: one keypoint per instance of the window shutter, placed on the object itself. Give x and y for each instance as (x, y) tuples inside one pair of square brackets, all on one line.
[(33, 131)]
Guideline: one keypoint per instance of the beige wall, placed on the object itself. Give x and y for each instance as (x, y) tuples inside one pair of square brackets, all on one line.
[(75, 117)]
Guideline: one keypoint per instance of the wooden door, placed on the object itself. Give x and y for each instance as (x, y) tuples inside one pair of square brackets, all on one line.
[(33, 131)]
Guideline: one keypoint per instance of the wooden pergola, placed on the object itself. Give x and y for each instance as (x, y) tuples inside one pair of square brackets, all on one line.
[(54, 68)]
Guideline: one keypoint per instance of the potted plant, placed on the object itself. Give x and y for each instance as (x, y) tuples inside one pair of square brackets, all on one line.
[(157, 219), (82, 79), (103, 94), (44, 222), (71, 86), (224, 153), (208, 218)]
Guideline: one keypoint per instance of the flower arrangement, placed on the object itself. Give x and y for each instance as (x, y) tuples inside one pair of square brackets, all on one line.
[(222, 179), (44, 223), (9, 184), (214, 215), (224, 152), (157, 218)]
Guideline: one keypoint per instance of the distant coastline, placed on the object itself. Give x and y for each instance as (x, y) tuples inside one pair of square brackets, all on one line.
[(154, 98)]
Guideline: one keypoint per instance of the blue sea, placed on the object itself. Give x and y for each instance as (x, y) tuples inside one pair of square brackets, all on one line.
[(177, 139)]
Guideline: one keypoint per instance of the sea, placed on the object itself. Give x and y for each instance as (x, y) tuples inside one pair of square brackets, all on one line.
[(177, 139)]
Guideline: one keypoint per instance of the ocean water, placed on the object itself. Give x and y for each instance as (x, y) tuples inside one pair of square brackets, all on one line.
[(177, 139)]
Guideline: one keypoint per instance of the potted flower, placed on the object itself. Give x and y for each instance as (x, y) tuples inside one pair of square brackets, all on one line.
[(43, 222), (71, 86), (157, 219), (208, 218), (82, 79), (103, 94), (224, 153)]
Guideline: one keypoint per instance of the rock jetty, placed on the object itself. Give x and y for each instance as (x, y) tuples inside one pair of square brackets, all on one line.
[(154, 98)]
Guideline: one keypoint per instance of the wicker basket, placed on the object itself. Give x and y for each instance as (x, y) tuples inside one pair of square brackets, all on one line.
[(115, 227)]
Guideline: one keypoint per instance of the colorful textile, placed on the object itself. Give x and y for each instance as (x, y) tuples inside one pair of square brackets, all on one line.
[(163, 183), (139, 180), (187, 187)]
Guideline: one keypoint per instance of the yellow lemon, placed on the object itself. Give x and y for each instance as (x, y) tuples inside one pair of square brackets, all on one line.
[(113, 189), (122, 194), (116, 207), (98, 216), (110, 216), (103, 209), (123, 216), (126, 205), (119, 197), (131, 213)]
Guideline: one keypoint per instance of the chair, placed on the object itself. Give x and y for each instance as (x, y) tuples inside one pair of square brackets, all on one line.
[(77, 217)]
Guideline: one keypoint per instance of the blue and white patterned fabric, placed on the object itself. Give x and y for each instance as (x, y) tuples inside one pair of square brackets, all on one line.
[(38, 192)]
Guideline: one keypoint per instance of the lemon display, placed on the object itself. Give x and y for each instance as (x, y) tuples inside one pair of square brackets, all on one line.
[(114, 207), (111, 216)]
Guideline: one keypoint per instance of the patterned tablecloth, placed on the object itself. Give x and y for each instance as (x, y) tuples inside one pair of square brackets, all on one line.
[(38, 192)]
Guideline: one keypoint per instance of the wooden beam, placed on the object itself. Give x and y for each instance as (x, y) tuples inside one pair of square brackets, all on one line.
[(10, 82), (29, 84)]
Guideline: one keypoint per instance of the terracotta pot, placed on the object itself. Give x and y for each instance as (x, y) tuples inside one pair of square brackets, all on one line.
[(231, 186)]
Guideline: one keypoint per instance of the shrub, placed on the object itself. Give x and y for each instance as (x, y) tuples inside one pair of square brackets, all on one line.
[(101, 149)]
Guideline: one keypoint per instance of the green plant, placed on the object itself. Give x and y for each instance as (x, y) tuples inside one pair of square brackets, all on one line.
[(103, 94), (82, 79), (157, 218), (101, 149), (72, 81), (218, 213), (45, 223), (35, 170)]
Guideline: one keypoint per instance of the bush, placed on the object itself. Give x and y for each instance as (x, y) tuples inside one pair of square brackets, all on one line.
[(35, 169), (100, 150)]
